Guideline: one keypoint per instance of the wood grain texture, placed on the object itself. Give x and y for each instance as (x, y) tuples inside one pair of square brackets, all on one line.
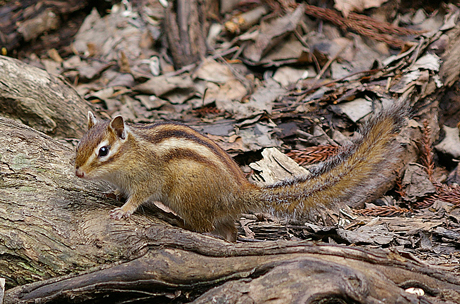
[(45, 102)]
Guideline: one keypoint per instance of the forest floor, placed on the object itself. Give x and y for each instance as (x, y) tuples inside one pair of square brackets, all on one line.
[(297, 77)]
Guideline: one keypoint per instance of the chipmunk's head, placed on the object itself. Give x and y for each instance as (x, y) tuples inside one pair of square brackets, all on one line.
[(99, 147)]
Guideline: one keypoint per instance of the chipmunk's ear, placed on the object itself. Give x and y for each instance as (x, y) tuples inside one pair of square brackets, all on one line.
[(118, 127), (92, 120)]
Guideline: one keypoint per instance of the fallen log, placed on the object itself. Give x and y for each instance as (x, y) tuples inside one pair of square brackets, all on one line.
[(40, 100)]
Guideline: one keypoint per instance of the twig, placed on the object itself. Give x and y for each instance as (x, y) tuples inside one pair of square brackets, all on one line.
[(190, 67), (450, 194), (305, 44), (427, 150), (329, 62), (364, 25), (383, 211), (304, 93)]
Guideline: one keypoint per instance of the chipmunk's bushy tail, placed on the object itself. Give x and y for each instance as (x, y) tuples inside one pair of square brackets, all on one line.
[(358, 173)]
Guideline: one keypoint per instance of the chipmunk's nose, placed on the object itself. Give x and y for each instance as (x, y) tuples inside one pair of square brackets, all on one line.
[(79, 173)]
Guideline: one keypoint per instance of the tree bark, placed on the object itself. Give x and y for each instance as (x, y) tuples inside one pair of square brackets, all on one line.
[(186, 30), (45, 102), (52, 223), (171, 264)]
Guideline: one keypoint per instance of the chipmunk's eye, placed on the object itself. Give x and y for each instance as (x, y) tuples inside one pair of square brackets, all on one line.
[(103, 151)]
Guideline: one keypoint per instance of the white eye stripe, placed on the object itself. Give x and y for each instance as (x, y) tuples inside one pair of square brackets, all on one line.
[(102, 144), (113, 149), (98, 148)]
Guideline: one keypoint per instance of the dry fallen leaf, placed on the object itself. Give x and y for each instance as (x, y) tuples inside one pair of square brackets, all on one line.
[(347, 6)]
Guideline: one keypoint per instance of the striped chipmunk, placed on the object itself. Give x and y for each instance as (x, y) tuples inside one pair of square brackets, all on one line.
[(188, 172)]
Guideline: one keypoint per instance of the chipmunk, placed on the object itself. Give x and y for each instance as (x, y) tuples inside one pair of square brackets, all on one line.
[(188, 172)]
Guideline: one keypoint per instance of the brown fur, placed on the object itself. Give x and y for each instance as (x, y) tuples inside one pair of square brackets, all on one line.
[(162, 131), (197, 179)]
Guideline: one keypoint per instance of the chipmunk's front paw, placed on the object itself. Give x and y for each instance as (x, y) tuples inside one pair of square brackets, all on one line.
[(119, 213)]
